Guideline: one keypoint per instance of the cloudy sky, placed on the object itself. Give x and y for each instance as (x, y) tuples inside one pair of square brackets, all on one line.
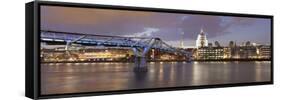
[(167, 26)]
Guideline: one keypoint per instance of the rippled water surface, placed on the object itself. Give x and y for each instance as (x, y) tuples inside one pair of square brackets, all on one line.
[(57, 78)]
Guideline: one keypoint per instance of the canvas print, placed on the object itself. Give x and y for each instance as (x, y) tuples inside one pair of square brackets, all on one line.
[(94, 50)]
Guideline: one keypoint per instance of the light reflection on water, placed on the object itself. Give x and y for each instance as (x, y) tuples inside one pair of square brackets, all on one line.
[(59, 78)]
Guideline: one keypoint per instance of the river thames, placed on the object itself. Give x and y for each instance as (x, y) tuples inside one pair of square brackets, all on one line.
[(59, 78)]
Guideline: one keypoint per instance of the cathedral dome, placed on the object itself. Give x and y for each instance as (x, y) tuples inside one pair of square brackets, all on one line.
[(201, 39)]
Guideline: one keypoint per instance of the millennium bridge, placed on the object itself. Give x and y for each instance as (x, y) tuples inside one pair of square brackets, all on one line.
[(140, 45)]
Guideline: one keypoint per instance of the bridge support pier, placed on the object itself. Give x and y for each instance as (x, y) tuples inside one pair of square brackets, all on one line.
[(140, 64)]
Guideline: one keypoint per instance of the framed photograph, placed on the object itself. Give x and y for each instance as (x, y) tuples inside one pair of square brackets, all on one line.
[(75, 49)]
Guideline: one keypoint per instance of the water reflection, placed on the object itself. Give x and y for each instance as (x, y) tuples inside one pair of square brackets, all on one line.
[(59, 78)]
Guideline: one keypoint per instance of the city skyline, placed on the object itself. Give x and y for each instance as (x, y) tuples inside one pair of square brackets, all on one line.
[(186, 50), (167, 26)]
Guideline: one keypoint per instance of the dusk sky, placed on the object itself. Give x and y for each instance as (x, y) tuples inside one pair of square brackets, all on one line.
[(167, 26)]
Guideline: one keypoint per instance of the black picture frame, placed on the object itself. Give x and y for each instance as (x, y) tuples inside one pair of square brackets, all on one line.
[(32, 70)]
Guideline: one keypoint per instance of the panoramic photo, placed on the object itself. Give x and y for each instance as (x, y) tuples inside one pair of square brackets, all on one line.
[(94, 50)]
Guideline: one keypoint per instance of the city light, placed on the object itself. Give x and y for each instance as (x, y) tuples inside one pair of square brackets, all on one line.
[(204, 51)]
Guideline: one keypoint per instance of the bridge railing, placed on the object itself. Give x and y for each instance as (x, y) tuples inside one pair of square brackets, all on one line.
[(105, 40)]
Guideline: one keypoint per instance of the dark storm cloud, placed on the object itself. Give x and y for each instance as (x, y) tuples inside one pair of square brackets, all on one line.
[(213, 25), (91, 21), (192, 25), (98, 21), (166, 26)]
